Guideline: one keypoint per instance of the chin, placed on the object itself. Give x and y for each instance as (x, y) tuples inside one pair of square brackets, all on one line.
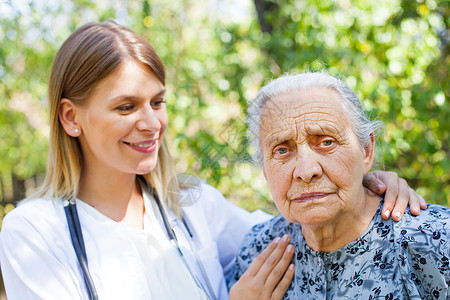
[(314, 219), (310, 217), (142, 170)]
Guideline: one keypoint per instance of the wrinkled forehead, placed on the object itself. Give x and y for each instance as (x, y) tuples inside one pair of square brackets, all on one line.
[(308, 107)]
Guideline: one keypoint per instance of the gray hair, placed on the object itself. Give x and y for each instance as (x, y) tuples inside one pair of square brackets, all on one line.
[(288, 83)]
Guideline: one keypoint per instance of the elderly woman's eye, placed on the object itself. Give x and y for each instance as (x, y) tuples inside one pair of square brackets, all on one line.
[(281, 150), (327, 143)]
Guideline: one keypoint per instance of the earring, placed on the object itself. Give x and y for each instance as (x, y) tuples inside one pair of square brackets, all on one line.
[(76, 130)]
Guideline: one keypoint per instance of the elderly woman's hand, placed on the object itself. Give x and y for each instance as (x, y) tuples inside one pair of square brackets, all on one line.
[(397, 194), (269, 275)]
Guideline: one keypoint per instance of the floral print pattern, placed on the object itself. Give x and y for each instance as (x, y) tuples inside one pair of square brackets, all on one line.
[(391, 260)]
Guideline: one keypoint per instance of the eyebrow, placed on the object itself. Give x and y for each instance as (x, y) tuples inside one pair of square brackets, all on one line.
[(322, 129), (129, 97), (279, 137), (310, 129)]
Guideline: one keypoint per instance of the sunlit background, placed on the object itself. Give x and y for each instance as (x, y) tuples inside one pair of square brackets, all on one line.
[(218, 53)]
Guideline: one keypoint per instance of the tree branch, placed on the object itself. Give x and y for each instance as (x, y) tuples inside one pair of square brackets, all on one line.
[(263, 7)]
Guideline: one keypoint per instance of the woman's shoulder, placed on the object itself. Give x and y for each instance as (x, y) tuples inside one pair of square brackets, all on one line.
[(199, 190), (423, 250), (434, 218), (264, 233), (211, 202), (425, 235), (33, 212), (221, 217), (436, 212)]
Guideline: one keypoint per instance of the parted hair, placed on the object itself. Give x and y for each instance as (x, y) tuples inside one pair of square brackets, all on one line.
[(88, 56)]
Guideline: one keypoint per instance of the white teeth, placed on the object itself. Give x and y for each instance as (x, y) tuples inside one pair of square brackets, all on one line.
[(142, 145)]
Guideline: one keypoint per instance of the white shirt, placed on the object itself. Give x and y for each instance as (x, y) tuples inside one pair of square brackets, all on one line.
[(38, 260)]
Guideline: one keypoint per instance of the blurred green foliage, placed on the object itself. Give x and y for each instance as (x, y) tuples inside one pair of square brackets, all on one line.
[(393, 53)]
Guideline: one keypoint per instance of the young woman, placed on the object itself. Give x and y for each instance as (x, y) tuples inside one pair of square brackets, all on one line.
[(105, 223)]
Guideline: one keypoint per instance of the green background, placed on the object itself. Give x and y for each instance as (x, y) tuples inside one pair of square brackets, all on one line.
[(394, 53)]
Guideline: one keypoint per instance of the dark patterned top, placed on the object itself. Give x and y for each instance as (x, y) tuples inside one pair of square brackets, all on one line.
[(408, 259)]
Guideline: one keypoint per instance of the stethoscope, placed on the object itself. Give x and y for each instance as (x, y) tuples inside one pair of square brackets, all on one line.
[(76, 236)]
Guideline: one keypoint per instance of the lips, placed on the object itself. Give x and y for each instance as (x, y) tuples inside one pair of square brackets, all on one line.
[(144, 146), (309, 197), (141, 145)]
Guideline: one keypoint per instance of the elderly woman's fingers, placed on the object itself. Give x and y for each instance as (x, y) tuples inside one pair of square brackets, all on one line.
[(284, 284)]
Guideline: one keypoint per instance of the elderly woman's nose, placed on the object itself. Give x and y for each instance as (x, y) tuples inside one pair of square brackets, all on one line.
[(307, 167), (148, 120)]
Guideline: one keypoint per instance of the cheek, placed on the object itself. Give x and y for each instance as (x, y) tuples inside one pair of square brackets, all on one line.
[(112, 129), (163, 120), (101, 119), (280, 181), (344, 169), (278, 178)]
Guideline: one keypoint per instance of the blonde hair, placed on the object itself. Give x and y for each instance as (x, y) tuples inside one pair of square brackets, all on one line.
[(89, 55)]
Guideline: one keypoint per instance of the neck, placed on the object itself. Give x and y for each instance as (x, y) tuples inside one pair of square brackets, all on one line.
[(344, 228), (115, 195)]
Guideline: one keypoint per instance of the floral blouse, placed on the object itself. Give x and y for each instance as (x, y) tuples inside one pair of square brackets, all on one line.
[(408, 259)]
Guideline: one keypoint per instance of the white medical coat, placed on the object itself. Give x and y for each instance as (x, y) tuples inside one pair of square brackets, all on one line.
[(38, 260)]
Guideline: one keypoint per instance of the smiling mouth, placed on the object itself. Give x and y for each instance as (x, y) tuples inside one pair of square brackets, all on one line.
[(144, 147), (309, 197)]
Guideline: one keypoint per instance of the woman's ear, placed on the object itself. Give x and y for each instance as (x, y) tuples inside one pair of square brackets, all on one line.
[(369, 154), (68, 117)]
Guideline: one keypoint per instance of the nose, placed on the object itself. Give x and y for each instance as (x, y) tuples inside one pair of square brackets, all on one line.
[(307, 166), (148, 120)]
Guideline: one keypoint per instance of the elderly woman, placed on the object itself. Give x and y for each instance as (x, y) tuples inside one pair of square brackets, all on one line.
[(315, 144)]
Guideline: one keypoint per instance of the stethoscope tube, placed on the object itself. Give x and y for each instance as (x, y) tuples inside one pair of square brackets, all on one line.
[(173, 239), (76, 235)]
